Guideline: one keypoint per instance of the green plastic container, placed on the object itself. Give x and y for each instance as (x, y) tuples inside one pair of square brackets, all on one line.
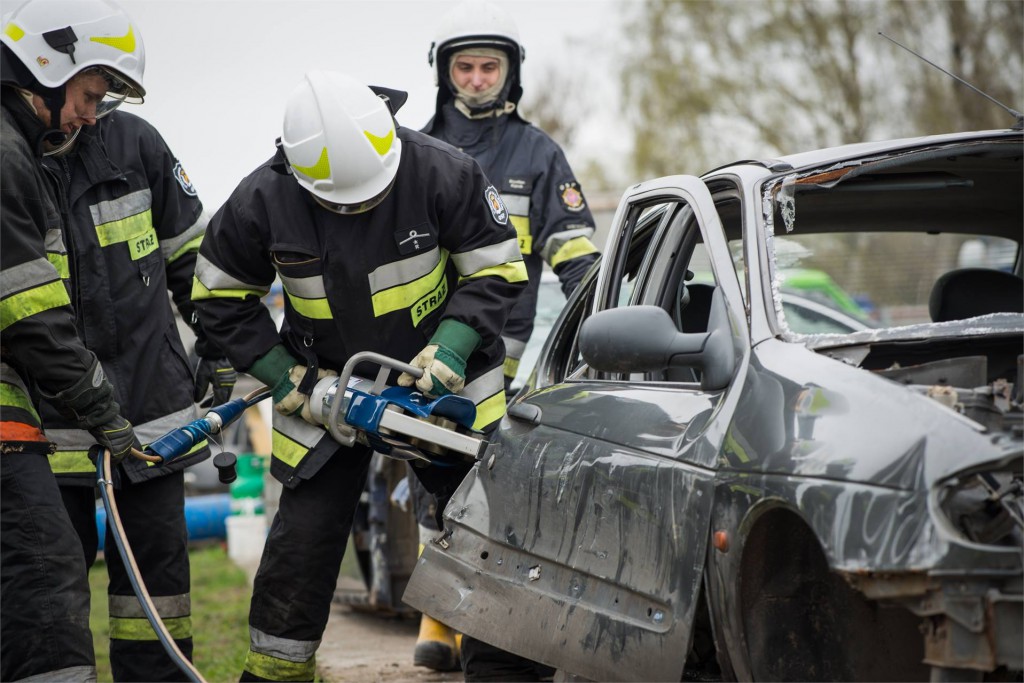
[(247, 489)]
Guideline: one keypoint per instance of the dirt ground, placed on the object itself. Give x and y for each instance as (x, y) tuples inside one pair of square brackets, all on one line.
[(366, 648)]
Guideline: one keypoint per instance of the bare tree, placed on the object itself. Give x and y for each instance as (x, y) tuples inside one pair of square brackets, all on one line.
[(708, 82)]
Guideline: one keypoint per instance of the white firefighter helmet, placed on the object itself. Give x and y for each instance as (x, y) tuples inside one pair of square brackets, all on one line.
[(340, 141), (53, 40), (475, 23)]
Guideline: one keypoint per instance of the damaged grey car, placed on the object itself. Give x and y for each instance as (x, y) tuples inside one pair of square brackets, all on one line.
[(698, 483)]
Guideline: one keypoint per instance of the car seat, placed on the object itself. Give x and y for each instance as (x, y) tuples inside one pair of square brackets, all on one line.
[(970, 292)]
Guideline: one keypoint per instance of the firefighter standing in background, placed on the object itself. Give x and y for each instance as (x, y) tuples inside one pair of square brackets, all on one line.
[(133, 235), (477, 59), (385, 240), (61, 65)]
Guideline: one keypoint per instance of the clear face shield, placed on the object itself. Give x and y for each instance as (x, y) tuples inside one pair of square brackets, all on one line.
[(119, 91), (362, 207)]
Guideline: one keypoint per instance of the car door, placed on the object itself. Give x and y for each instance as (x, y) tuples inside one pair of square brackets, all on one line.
[(579, 541)]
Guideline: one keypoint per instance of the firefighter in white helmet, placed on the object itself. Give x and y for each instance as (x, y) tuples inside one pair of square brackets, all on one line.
[(477, 61), (62, 64), (384, 240)]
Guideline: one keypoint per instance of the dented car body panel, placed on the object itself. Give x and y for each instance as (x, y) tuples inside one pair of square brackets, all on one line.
[(756, 502)]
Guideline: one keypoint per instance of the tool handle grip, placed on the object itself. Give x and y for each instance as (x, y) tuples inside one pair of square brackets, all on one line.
[(384, 362)]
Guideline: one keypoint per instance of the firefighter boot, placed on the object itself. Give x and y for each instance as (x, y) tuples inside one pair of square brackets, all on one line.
[(435, 646)]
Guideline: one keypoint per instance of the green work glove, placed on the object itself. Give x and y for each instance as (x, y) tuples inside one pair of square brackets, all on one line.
[(288, 400), (279, 370), (443, 360)]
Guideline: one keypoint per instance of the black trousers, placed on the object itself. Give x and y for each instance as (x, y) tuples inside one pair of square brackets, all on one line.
[(298, 572), (153, 516), (44, 590)]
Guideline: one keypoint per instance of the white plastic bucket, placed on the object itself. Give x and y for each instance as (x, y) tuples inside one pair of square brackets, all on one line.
[(246, 536)]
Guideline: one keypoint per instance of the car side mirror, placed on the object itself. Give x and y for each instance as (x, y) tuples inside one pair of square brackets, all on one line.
[(644, 339)]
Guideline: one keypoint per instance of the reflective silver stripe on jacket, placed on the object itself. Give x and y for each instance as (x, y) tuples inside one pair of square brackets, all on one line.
[(557, 240), (517, 204), (214, 278), (148, 432), (513, 347), (131, 204), (400, 272), (26, 276), (9, 375), (71, 674), (170, 247), (55, 242), (471, 262), (297, 429), (282, 648), (169, 606), (485, 386), (306, 287)]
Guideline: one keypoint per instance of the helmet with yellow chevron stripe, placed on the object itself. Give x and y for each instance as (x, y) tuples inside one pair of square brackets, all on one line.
[(340, 141), (47, 42)]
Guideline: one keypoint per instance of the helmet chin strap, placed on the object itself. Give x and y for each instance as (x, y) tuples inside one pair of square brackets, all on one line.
[(55, 136), (58, 140)]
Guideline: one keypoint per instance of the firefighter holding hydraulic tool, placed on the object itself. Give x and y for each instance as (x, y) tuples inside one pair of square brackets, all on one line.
[(385, 240)]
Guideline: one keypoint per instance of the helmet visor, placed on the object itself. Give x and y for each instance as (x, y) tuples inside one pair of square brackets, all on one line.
[(119, 90), (362, 207)]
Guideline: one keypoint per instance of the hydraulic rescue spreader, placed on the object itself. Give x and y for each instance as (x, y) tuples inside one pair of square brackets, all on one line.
[(397, 422)]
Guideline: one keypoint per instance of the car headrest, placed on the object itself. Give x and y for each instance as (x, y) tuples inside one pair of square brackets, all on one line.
[(970, 292)]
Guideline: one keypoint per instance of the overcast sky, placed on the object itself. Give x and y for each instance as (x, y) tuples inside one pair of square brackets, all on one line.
[(218, 71)]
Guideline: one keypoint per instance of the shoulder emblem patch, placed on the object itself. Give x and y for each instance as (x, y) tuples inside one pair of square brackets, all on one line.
[(496, 206), (572, 198), (182, 178)]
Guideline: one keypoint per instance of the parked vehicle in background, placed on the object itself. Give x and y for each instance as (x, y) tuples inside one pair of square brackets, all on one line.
[(696, 479)]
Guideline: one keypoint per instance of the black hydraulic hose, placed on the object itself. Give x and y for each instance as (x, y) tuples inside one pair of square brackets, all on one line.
[(106, 486)]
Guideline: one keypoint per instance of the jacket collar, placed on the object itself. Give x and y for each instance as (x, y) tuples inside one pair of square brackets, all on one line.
[(27, 123)]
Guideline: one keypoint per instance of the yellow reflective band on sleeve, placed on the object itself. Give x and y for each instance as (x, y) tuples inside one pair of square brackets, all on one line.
[(125, 43), (60, 262), (321, 170), (510, 272), (137, 231), (286, 449), (429, 303), (577, 246), (522, 226), (192, 245), (36, 300), (274, 669), (489, 410), (140, 629), (200, 292), (71, 462), (13, 396), (407, 295), (510, 367), (311, 308)]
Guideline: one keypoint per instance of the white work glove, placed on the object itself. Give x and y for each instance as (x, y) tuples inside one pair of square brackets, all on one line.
[(439, 376), (288, 400), (443, 360)]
